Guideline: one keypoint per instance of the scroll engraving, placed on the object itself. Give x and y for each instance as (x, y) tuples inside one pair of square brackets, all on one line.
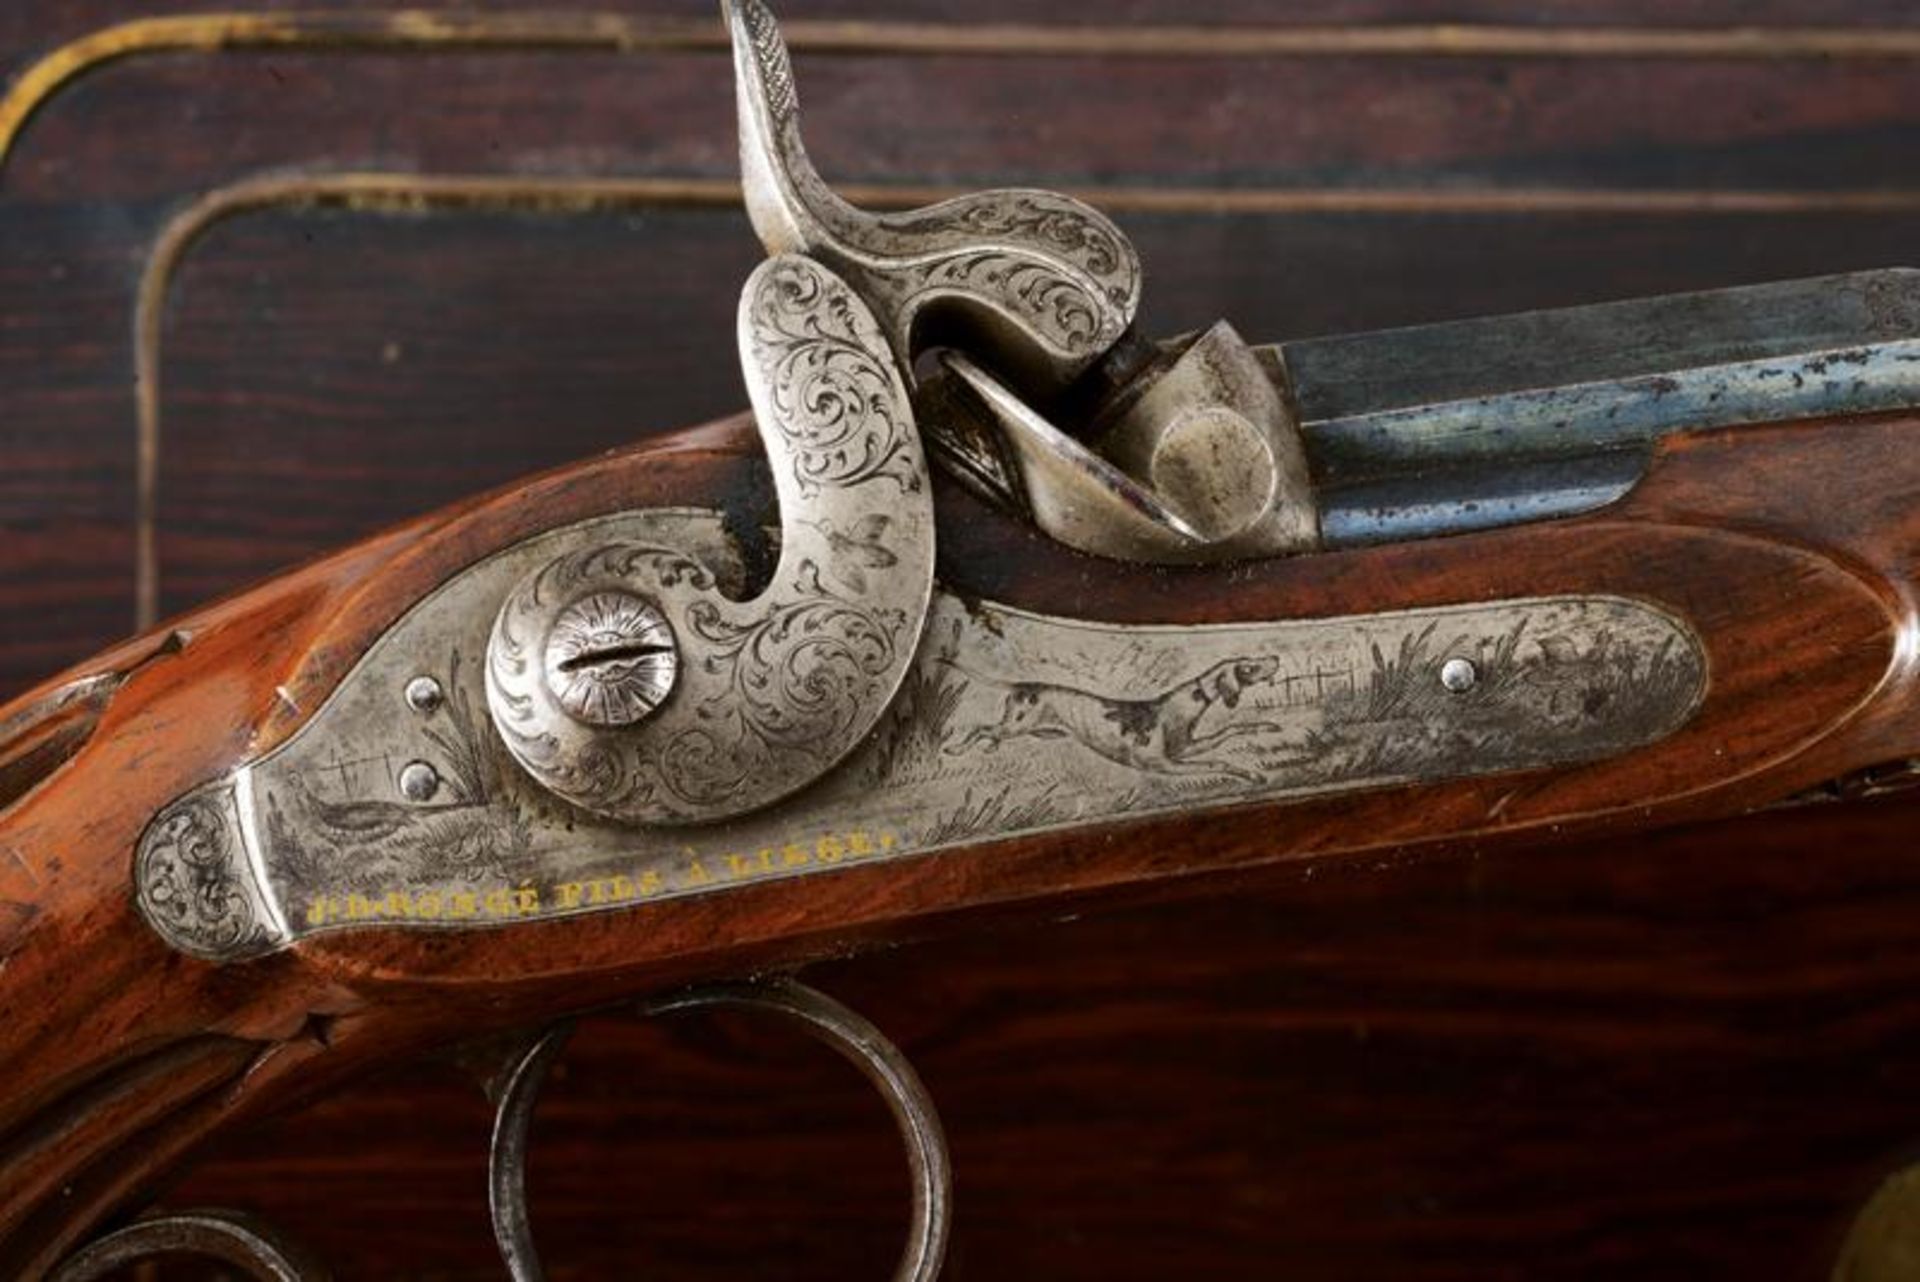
[(191, 879), (771, 692), (1004, 723), (1054, 269), (794, 682), (831, 387)]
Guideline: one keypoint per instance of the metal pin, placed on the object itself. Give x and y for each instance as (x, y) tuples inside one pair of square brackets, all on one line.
[(1459, 675), (419, 781), (424, 694)]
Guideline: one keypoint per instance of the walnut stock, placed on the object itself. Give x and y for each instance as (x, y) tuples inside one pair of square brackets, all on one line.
[(1789, 550)]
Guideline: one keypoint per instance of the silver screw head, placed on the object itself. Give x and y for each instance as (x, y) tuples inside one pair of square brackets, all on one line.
[(610, 659), (424, 694), (419, 781), (1459, 675)]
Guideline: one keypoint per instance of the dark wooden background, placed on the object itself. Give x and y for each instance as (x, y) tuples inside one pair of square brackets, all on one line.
[(1689, 1057)]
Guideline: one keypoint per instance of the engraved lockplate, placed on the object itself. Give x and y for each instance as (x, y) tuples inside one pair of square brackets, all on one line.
[(1008, 723)]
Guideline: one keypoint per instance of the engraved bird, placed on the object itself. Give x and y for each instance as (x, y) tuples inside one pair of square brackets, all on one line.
[(364, 820), (1573, 682), (388, 834), (1559, 650)]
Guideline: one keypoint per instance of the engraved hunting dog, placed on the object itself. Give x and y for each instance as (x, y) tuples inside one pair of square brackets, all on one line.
[(1163, 735)]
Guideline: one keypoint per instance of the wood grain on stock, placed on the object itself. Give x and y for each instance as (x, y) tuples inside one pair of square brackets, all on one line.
[(122, 1054), (1685, 1057), (1581, 1061)]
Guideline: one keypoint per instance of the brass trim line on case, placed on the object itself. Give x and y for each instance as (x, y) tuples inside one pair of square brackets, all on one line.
[(404, 193), (420, 31)]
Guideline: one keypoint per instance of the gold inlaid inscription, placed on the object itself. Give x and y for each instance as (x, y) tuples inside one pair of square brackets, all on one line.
[(527, 900)]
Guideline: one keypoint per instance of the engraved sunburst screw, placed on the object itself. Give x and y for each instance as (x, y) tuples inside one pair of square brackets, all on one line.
[(610, 659)]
